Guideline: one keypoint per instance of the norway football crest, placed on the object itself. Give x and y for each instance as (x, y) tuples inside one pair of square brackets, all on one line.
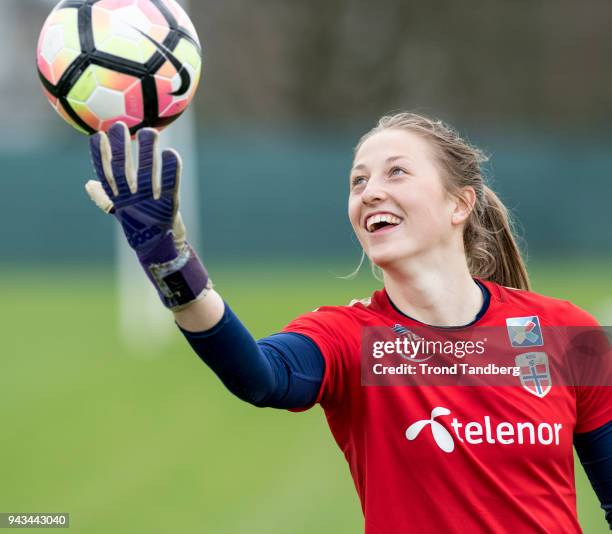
[(525, 331), (535, 372)]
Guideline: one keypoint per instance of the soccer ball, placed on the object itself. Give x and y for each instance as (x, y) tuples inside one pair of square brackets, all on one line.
[(104, 61)]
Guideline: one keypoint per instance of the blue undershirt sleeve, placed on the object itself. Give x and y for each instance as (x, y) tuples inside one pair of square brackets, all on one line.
[(594, 449), (280, 371)]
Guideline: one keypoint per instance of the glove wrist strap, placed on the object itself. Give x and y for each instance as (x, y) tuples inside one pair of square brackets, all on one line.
[(181, 278)]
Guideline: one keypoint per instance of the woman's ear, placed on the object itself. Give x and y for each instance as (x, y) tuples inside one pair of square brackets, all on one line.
[(464, 203)]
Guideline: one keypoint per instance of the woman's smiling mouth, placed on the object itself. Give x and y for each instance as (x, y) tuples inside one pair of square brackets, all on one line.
[(381, 222)]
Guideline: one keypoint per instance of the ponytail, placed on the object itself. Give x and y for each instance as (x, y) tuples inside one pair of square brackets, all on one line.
[(491, 248)]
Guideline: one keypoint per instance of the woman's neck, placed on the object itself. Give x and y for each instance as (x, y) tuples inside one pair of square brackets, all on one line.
[(444, 295)]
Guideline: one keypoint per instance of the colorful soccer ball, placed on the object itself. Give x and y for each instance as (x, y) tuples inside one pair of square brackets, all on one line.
[(104, 61)]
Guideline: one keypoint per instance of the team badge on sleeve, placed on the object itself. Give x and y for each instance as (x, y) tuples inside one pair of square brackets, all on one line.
[(525, 331), (535, 373)]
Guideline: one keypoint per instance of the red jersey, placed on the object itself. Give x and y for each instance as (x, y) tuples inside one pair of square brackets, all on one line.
[(451, 458)]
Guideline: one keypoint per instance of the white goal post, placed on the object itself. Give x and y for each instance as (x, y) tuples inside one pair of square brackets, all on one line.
[(144, 324)]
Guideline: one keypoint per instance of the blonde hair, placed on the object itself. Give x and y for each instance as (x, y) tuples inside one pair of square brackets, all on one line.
[(489, 238)]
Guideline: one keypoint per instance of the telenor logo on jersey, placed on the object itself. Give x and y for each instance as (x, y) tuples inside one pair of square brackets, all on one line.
[(535, 373), (485, 431), (441, 436), (525, 331)]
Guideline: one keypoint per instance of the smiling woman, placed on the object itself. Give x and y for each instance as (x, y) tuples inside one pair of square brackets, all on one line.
[(423, 214), (426, 166)]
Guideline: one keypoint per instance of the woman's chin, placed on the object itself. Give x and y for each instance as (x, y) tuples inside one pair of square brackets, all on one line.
[(384, 258), (388, 256)]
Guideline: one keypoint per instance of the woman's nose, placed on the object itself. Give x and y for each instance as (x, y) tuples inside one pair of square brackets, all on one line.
[(374, 192)]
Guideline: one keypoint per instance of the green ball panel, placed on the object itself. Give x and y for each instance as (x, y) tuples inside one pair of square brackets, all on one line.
[(62, 112), (69, 21), (124, 48), (85, 85), (118, 31), (83, 111), (186, 52)]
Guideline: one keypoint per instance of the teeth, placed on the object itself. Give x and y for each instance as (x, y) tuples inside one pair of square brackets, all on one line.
[(386, 217)]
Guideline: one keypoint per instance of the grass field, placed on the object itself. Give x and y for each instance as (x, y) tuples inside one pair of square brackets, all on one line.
[(150, 442)]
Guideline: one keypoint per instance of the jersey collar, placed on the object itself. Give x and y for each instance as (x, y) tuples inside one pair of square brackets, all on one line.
[(489, 290)]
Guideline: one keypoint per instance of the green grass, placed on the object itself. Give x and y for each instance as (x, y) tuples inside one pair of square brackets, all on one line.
[(132, 441)]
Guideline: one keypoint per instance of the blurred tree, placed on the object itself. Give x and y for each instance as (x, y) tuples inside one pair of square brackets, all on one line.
[(330, 62), (339, 60)]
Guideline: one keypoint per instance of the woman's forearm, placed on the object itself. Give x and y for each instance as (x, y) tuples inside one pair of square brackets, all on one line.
[(283, 371), (202, 314)]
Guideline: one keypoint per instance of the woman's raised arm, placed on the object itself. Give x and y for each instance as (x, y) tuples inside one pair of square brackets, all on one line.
[(282, 371)]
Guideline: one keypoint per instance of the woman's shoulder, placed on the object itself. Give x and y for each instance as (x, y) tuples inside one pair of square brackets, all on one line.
[(355, 311), (554, 309), (361, 306)]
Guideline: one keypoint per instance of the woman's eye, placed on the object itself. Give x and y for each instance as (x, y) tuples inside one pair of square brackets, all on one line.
[(358, 180), (396, 171)]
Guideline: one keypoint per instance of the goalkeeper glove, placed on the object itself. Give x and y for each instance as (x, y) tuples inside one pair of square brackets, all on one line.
[(148, 211)]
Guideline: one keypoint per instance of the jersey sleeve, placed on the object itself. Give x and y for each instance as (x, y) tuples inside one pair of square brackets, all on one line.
[(594, 386), (337, 336)]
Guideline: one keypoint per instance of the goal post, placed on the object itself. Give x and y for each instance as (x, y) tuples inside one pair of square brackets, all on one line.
[(144, 324)]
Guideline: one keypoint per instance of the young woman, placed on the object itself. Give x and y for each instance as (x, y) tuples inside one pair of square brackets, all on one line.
[(423, 459)]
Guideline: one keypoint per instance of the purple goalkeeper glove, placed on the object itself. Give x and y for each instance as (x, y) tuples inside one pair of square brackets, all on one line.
[(148, 211)]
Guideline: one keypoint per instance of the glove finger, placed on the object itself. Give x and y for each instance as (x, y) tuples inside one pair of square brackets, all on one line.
[(121, 162), (170, 176), (178, 229), (148, 155), (98, 195), (101, 159)]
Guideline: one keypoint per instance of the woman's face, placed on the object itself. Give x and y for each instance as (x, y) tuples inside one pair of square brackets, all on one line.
[(398, 206)]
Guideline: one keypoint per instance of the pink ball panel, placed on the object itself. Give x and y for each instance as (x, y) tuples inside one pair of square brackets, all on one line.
[(164, 88), (175, 108), (134, 105), (152, 13)]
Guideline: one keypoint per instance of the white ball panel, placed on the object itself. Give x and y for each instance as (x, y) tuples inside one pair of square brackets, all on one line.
[(106, 103), (53, 43), (126, 22), (176, 82)]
